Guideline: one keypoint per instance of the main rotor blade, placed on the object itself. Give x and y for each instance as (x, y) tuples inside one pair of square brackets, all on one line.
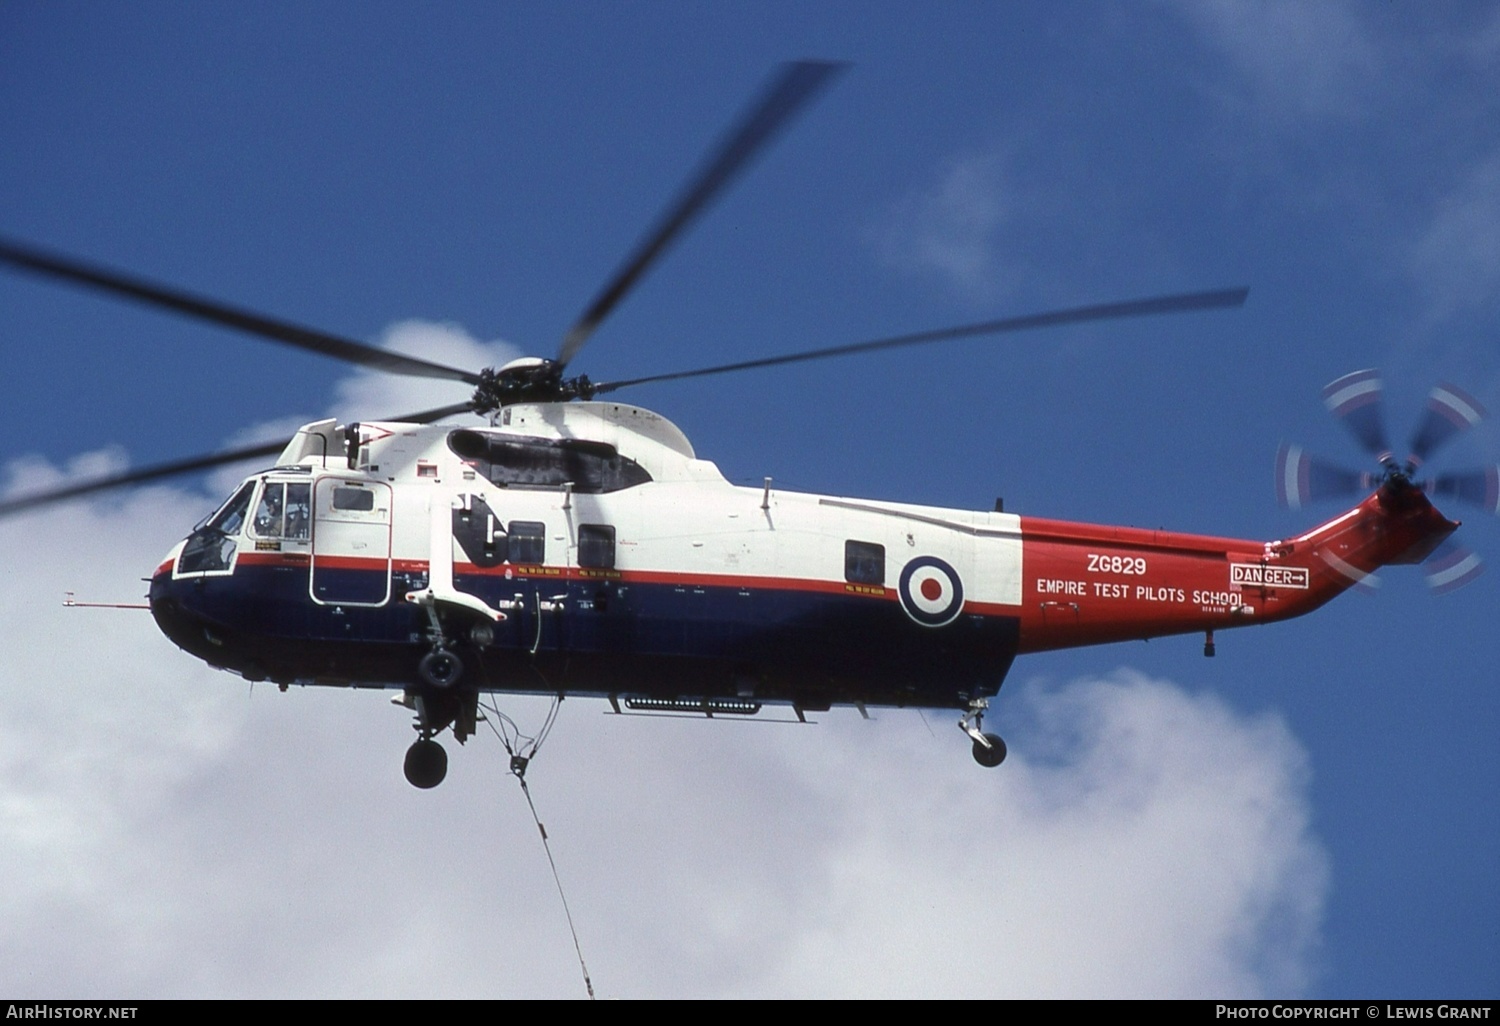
[(432, 416), (141, 476), (54, 265), (190, 465), (1178, 303), (788, 93)]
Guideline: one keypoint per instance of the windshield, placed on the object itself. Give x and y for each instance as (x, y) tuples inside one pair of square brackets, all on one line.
[(211, 547)]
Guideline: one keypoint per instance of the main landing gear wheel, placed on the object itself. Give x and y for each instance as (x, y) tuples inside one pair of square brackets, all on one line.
[(426, 763), (991, 755), (440, 668), (989, 750)]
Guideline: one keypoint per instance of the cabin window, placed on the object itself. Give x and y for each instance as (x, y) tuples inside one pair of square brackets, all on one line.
[(864, 562), (361, 500), (528, 541), (596, 546), (284, 511), (515, 461)]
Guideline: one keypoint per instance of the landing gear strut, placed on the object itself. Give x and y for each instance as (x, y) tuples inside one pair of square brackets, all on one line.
[(438, 704), (989, 749)]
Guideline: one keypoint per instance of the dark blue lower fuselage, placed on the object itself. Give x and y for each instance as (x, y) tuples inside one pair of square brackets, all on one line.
[(607, 636)]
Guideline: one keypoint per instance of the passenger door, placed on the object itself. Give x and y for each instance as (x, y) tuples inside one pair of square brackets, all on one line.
[(351, 561)]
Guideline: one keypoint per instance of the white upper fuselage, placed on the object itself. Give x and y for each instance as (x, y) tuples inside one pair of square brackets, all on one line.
[(685, 522)]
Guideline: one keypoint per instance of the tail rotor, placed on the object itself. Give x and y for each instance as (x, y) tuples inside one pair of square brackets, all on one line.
[(1356, 401)]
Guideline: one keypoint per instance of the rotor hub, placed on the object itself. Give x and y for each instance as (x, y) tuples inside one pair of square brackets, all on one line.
[(530, 379)]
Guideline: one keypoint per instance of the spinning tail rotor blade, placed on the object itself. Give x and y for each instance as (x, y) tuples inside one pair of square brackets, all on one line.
[(1477, 487), (77, 272), (1176, 303), (1451, 567), (1360, 580), (1450, 411), (1301, 478), (788, 93), (1355, 399)]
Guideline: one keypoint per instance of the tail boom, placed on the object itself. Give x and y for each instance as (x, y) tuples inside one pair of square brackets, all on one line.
[(1086, 584)]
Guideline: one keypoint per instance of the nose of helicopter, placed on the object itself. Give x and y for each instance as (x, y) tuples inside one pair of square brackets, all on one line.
[(173, 605)]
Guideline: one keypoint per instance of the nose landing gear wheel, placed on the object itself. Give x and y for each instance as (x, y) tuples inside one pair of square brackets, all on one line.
[(426, 763), (991, 756)]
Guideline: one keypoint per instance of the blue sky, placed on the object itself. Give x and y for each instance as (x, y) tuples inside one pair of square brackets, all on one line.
[(1312, 812)]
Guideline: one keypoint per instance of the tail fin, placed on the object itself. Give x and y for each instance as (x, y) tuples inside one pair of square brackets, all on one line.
[(1396, 524)]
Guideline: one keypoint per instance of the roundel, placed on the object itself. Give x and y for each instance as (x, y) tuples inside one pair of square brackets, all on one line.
[(931, 592)]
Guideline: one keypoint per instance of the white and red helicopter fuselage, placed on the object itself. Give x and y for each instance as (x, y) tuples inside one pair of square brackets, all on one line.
[(584, 549)]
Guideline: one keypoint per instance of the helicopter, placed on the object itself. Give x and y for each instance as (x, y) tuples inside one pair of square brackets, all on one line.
[(572, 545)]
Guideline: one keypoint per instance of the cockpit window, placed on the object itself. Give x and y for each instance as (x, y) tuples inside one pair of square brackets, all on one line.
[(284, 511), (211, 547), (513, 461)]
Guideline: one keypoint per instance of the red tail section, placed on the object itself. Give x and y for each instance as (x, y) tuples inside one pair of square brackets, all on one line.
[(1397, 524), (1086, 584)]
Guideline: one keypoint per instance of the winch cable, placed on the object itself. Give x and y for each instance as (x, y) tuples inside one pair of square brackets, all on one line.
[(925, 723), (522, 749)]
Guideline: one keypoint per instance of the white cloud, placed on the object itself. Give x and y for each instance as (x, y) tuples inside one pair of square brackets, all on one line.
[(1161, 849), (1456, 261), (1297, 59), (952, 230), (371, 395), (34, 474)]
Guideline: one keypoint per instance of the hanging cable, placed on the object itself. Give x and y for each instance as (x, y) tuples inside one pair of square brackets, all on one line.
[(522, 749), (519, 745), (520, 775)]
